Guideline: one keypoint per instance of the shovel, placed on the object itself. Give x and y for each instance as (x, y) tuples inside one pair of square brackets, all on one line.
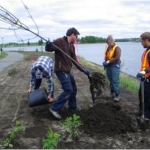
[(143, 123)]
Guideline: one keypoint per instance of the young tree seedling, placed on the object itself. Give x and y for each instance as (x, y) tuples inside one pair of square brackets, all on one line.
[(72, 124), (51, 141), (7, 142)]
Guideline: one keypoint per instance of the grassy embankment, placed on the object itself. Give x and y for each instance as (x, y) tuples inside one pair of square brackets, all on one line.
[(3, 55), (127, 82)]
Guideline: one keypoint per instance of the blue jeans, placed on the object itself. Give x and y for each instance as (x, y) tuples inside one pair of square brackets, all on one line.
[(69, 92), (113, 73)]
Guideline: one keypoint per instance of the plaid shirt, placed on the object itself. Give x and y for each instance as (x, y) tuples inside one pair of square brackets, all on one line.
[(47, 64)]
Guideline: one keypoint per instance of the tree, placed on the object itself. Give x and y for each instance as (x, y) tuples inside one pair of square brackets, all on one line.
[(92, 39), (28, 43), (40, 42)]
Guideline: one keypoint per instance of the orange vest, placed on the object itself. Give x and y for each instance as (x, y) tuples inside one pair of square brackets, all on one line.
[(145, 63), (109, 55)]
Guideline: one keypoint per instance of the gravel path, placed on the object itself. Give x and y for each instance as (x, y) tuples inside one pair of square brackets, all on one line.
[(10, 59)]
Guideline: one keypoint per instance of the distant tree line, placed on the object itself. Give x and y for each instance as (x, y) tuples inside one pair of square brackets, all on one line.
[(23, 43), (128, 40), (86, 39), (94, 39), (91, 39)]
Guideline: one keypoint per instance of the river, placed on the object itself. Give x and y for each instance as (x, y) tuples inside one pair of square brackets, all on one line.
[(130, 57)]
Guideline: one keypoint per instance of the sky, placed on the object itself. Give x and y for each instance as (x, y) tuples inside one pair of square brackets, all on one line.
[(120, 18)]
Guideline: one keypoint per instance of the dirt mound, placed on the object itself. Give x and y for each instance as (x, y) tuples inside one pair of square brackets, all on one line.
[(106, 119)]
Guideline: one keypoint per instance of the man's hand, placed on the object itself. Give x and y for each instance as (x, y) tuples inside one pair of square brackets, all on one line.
[(106, 63), (48, 44), (50, 99), (141, 75), (29, 90), (87, 72)]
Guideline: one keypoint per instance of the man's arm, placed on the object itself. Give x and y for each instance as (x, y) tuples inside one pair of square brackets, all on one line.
[(50, 47), (32, 78), (32, 81), (50, 85), (117, 56), (148, 69)]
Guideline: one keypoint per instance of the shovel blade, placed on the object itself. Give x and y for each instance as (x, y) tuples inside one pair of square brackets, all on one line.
[(143, 123)]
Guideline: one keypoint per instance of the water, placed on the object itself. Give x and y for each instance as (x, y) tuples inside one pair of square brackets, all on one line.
[(131, 54), (130, 57)]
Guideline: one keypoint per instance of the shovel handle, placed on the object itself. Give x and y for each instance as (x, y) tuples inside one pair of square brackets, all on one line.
[(142, 97), (69, 57)]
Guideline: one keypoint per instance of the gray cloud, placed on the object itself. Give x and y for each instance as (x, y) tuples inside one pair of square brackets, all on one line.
[(121, 18)]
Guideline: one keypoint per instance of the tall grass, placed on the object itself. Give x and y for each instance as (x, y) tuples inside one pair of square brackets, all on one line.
[(26, 56), (127, 82), (3, 55)]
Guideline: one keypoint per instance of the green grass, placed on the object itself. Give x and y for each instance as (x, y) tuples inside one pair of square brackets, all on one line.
[(127, 82), (26, 56), (3, 55)]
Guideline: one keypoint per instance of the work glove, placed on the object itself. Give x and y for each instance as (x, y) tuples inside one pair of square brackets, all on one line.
[(48, 44), (106, 63), (87, 72), (141, 75)]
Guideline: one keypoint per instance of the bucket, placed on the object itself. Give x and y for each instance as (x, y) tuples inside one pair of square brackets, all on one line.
[(38, 97)]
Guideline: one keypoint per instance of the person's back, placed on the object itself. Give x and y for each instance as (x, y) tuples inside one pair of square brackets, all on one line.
[(42, 68), (45, 63)]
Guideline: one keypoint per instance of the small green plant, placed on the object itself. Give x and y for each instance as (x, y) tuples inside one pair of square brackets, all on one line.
[(26, 56), (52, 140), (72, 124), (7, 142), (3, 55)]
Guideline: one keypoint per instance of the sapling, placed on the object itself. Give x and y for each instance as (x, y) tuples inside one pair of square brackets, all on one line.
[(52, 140), (7, 142), (72, 124)]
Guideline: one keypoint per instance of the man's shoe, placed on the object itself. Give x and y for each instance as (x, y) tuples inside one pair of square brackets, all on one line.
[(78, 108), (117, 98), (75, 109), (111, 95), (55, 114)]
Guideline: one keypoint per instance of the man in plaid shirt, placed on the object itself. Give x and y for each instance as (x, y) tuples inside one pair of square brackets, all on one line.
[(42, 68)]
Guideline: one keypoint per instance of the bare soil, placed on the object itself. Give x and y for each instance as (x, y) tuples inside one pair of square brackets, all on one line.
[(106, 124)]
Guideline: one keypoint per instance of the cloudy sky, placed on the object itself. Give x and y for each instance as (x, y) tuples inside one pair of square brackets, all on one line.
[(121, 18)]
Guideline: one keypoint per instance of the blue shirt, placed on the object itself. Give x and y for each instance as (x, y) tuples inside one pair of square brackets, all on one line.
[(46, 65)]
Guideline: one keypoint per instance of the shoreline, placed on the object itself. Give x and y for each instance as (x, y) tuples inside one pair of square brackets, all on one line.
[(120, 70), (80, 58)]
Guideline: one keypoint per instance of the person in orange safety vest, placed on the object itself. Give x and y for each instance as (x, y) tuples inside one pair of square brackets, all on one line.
[(144, 75), (112, 65)]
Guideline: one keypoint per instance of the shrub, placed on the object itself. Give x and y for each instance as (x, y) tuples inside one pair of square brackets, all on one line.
[(7, 142), (51, 141), (72, 124)]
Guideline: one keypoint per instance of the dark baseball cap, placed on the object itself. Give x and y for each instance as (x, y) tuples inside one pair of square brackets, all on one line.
[(72, 31)]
